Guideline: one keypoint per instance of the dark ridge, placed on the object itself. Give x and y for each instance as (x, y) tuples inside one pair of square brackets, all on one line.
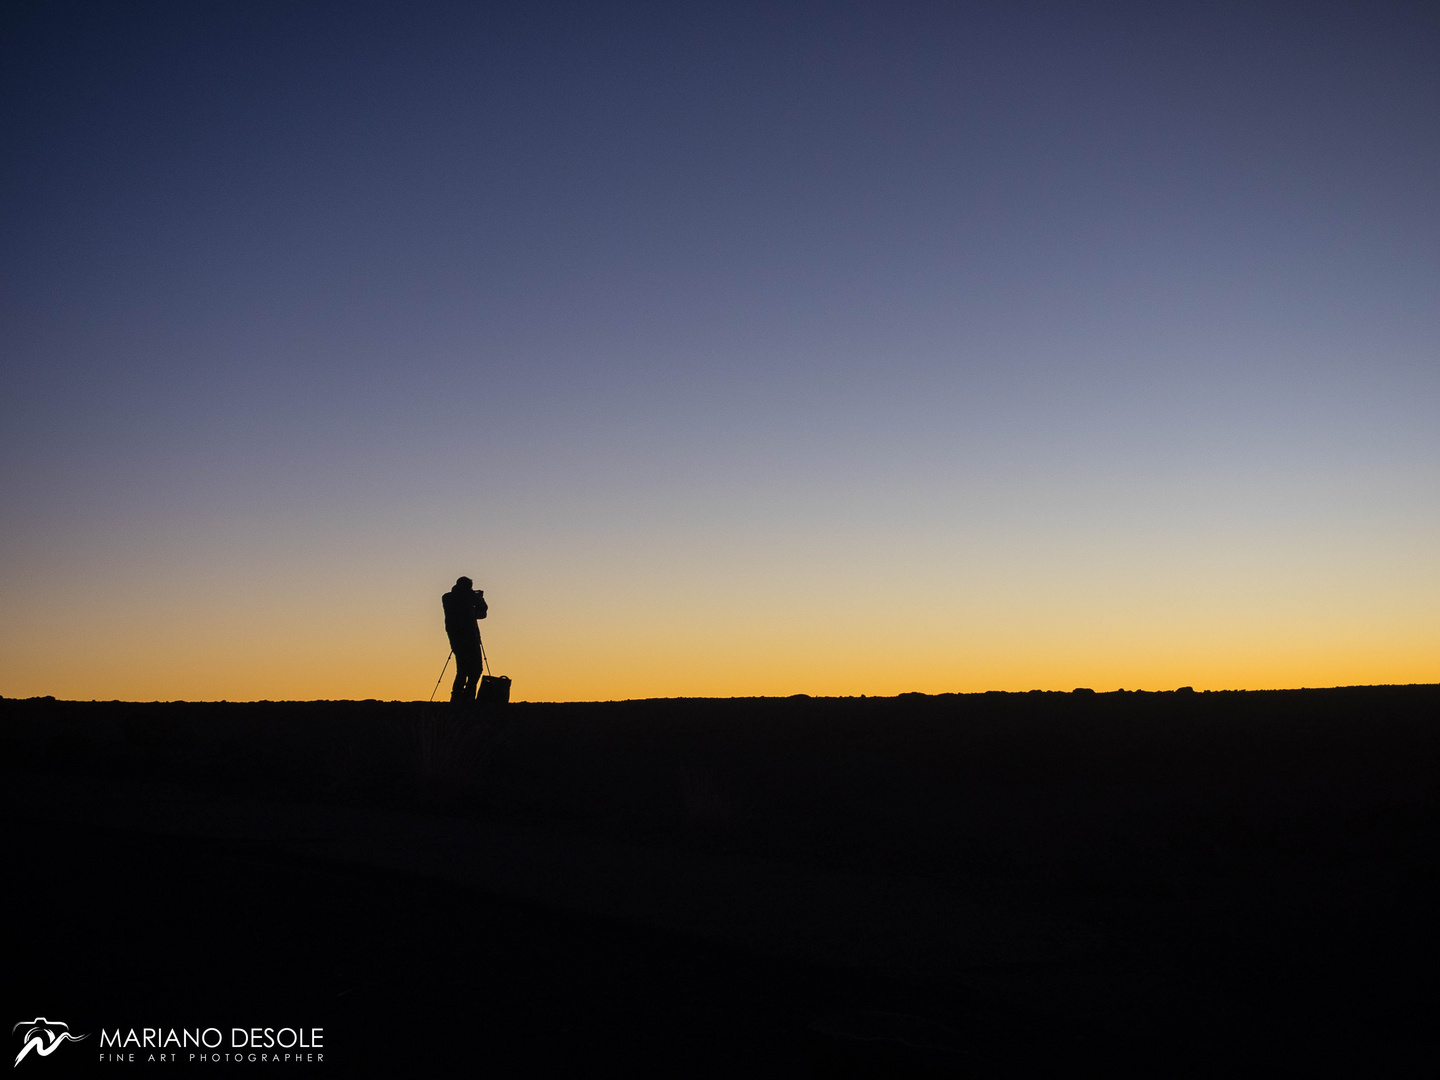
[(1265, 858)]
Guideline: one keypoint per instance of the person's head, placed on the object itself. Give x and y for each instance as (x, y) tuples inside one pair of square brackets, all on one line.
[(464, 584)]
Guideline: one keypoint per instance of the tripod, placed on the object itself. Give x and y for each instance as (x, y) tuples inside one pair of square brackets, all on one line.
[(484, 666)]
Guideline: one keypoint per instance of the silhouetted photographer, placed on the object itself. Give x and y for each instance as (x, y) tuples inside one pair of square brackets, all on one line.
[(464, 606)]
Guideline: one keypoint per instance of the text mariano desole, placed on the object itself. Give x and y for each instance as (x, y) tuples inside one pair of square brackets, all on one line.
[(267, 1044)]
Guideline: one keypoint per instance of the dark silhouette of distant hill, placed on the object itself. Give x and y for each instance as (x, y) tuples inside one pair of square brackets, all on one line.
[(1179, 883)]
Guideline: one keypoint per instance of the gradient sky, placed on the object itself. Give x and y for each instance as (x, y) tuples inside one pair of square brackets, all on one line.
[(733, 349)]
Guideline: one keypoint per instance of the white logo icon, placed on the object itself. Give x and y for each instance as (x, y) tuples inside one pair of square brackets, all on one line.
[(43, 1036)]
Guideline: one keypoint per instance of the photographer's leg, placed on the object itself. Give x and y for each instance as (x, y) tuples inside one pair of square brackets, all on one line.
[(467, 676)]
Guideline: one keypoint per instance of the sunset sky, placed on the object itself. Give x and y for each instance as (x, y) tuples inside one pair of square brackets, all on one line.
[(732, 348)]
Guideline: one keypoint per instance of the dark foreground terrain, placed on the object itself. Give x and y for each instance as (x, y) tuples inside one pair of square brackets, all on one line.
[(977, 885)]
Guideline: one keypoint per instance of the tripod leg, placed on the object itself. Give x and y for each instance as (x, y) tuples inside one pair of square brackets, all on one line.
[(442, 673)]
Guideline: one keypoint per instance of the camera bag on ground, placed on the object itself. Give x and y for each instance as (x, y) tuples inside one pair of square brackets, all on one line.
[(494, 689)]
